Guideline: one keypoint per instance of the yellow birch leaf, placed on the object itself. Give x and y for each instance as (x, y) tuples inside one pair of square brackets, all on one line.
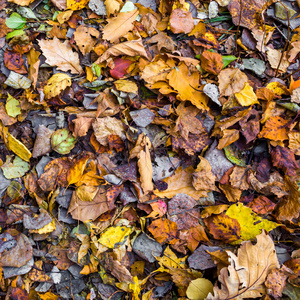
[(12, 106), (246, 96), (114, 235), (251, 224), (56, 84), (126, 86)]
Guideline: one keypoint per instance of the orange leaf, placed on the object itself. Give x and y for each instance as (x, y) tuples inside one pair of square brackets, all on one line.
[(211, 62), (164, 231)]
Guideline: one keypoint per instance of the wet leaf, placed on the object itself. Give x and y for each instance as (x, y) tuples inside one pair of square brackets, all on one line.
[(211, 62), (56, 84), (16, 168), (62, 141)]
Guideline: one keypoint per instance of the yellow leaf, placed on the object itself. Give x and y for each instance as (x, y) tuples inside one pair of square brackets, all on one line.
[(86, 192), (251, 224), (47, 296), (17, 147), (114, 235), (21, 2), (126, 86), (170, 260), (64, 16), (46, 229), (199, 289), (12, 106), (77, 5), (246, 96), (112, 6), (185, 84), (56, 84), (135, 288)]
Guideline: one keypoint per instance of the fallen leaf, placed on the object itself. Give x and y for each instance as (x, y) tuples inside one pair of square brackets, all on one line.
[(62, 141), (114, 235), (112, 6), (16, 168), (120, 68), (229, 136), (82, 125), (246, 96), (181, 21), (231, 81), (76, 5), (21, 2), (56, 84), (181, 182), (86, 38), (126, 86), (119, 26), (284, 159), (275, 129), (61, 55), (12, 106), (164, 231), (245, 276), (211, 62), (274, 58), (14, 61), (198, 289)]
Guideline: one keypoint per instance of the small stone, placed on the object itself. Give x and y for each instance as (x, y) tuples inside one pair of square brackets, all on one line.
[(255, 65), (98, 7), (200, 259), (282, 12), (147, 248)]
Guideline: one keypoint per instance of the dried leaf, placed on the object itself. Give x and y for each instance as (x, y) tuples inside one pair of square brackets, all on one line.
[(56, 84), (245, 276), (61, 55), (181, 21), (211, 62), (86, 38)]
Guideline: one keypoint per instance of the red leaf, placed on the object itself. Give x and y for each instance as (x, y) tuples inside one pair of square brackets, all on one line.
[(120, 69), (14, 62)]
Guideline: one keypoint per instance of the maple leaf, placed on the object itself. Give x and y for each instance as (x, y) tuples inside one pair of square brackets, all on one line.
[(61, 55)]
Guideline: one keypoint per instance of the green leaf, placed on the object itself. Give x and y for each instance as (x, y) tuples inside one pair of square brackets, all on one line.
[(227, 59), (12, 106), (62, 141), (15, 169), (15, 21), (15, 33), (26, 12), (96, 70), (231, 156)]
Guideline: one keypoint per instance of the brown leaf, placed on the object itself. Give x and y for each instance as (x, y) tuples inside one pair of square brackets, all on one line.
[(203, 178), (60, 4), (37, 274), (223, 228), (61, 55), (181, 211), (89, 210), (245, 276), (238, 178), (82, 125), (42, 144), (115, 142), (119, 26), (4, 30), (211, 62), (246, 14), (14, 61), (229, 136), (86, 38), (181, 182), (262, 205), (288, 206), (284, 159), (231, 81), (181, 21), (129, 48), (18, 255)]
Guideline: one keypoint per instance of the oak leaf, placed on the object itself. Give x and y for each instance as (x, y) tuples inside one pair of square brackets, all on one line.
[(119, 26), (61, 55), (245, 276)]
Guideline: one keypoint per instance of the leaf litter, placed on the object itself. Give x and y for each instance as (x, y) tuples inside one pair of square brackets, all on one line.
[(149, 149)]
